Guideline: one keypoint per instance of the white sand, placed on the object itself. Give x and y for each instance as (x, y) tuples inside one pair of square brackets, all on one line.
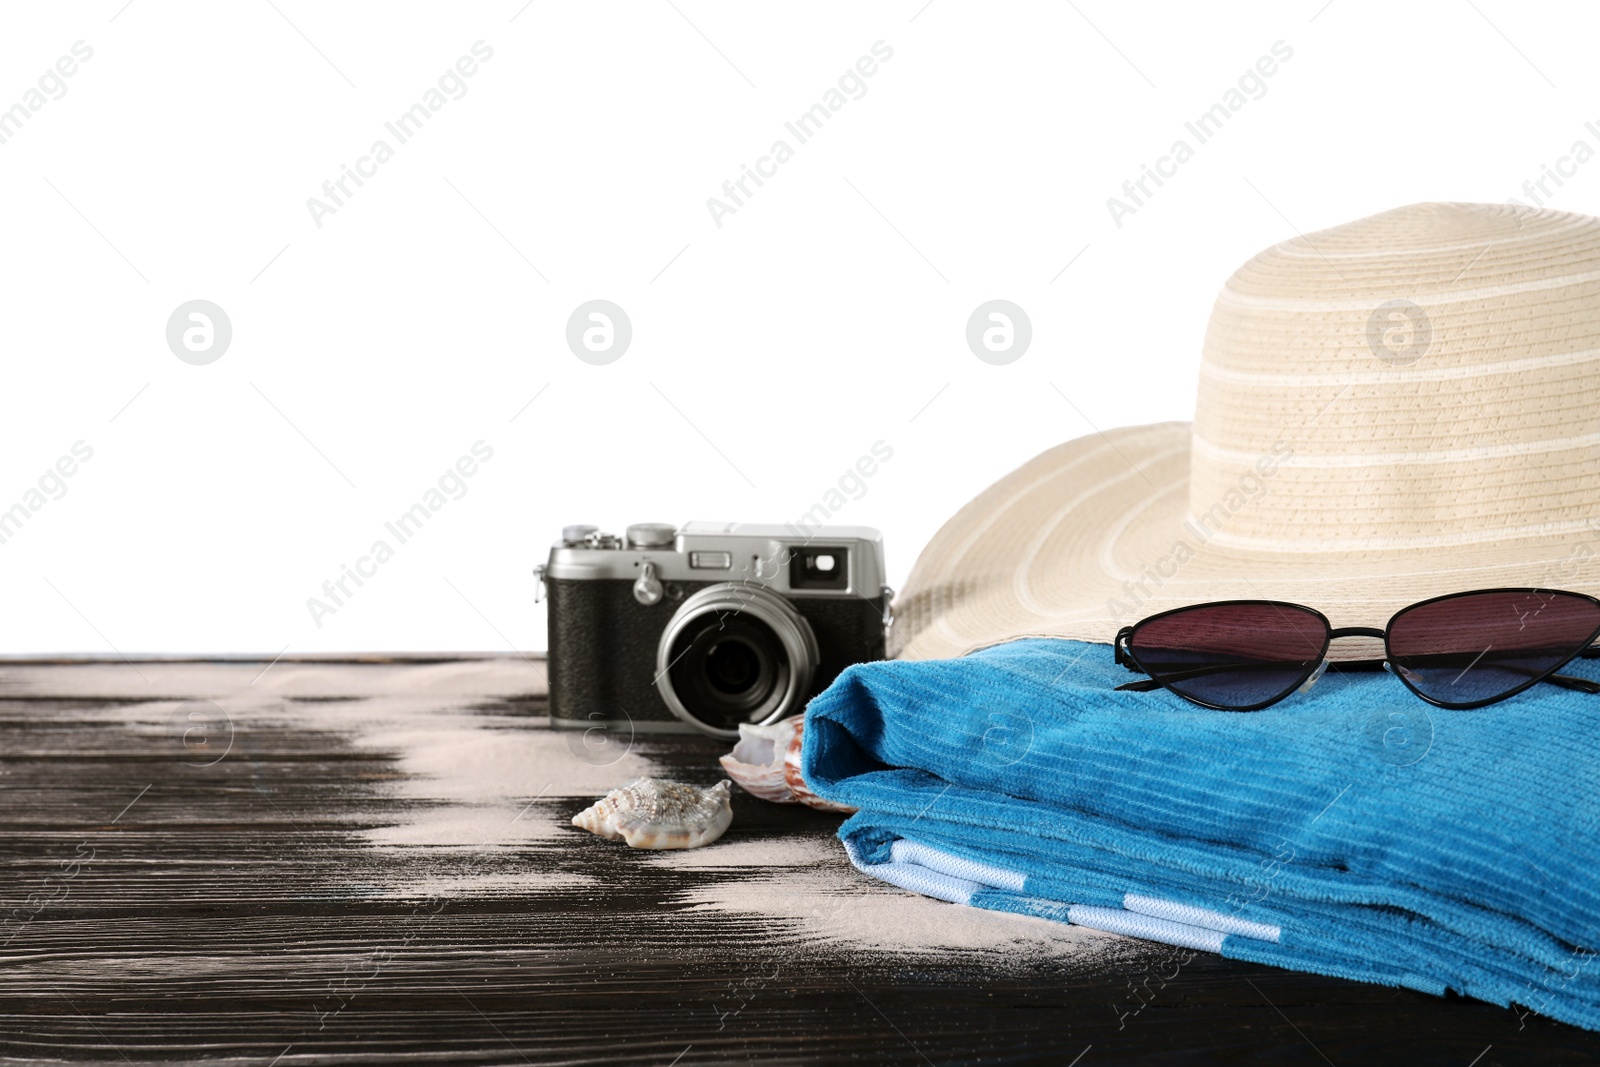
[(513, 885), (774, 855), (470, 822), (480, 757)]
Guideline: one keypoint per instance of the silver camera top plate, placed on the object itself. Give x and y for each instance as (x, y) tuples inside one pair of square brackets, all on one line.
[(761, 553)]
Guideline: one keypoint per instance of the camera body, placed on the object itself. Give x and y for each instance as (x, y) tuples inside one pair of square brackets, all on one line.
[(704, 627)]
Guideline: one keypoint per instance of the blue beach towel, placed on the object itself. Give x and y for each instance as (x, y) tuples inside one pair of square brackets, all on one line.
[(1351, 831)]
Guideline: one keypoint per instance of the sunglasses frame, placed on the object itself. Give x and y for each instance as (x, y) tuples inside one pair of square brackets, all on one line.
[(1123, 650)]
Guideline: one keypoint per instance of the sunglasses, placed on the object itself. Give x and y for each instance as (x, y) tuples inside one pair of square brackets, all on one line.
[(1458, 651)]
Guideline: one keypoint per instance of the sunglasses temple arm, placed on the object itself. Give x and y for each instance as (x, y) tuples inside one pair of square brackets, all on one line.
[(1567, 681), (1143, 685), (1592, 652)]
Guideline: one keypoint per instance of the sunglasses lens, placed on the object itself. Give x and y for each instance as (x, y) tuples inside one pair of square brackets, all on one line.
[(1232, 655), (1483, 646)]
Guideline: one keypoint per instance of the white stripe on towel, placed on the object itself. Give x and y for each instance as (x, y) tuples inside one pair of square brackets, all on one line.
[(1192, 916), (919, 879), (903, 851), (1118, 921)]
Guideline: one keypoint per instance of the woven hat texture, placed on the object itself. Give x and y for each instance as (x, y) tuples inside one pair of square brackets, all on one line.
[(1392, 409)]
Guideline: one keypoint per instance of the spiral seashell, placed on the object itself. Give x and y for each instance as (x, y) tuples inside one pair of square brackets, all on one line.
[(656, 814), (766, 764)]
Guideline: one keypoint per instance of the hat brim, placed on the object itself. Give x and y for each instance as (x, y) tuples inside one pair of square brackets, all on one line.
[(1098, 533)]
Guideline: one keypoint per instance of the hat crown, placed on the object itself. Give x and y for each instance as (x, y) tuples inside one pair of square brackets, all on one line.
[(1429, 375)]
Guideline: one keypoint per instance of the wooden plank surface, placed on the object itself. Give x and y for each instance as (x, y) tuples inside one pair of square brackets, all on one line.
[(340, 862)]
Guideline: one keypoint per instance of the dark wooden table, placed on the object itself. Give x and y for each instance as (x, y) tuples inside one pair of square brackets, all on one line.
[(368, 861)]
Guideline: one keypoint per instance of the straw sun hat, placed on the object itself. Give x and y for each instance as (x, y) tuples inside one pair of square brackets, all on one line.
[(1396, 408)]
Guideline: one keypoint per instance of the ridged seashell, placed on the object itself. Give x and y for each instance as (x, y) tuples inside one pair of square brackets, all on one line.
[(766, 764), (652, 813), (757, 761)]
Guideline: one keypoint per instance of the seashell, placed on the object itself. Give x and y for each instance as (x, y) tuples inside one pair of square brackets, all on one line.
[(766, 764), (757, 761), (797, 782), (657, 814)]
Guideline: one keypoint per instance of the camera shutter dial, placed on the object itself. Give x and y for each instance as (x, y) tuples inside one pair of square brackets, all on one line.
[(651, 534)]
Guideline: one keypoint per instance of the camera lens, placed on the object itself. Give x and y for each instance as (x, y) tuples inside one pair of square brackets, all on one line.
[(725, 668), (735, 655), (733, 667)]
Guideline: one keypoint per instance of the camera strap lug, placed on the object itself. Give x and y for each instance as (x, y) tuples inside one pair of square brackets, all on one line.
[(538, 583), (888, 608)]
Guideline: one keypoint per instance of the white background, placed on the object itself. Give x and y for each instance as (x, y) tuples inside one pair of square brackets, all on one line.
[(768, 354)]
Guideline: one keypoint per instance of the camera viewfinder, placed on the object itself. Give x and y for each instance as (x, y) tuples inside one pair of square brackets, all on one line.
[(814, 567)]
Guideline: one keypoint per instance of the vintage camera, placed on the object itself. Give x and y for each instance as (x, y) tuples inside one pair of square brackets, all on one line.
[(709, 625)]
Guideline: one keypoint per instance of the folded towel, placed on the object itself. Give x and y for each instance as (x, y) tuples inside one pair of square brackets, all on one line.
[(1352, 831)]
